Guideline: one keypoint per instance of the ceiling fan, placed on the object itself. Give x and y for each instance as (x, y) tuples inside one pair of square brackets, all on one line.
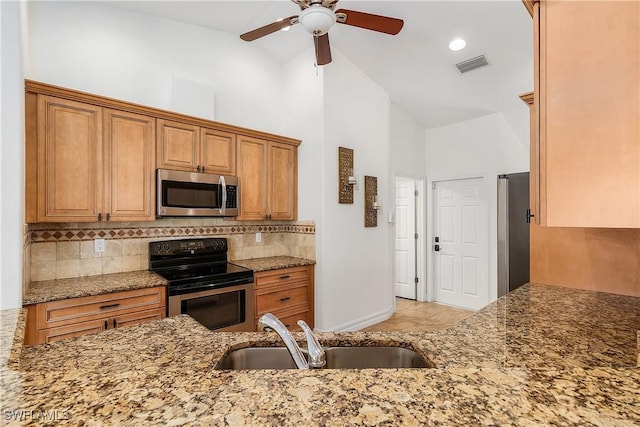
[(318, 16)]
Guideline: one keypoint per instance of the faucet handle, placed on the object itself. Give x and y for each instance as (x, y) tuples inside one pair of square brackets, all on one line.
[(315, 350)]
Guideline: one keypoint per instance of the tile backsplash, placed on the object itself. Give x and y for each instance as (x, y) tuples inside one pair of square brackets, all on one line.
[(57, 251)]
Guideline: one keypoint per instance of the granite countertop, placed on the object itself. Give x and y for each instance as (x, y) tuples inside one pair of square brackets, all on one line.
[(541, 355), (272, 263), (53, 290)]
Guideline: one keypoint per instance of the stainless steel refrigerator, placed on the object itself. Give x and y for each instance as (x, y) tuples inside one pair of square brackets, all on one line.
[(513, 231)]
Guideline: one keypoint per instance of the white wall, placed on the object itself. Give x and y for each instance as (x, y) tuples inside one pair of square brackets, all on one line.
[(482, 147), (11, 156), (303, 118), (137, 57), (407, 145), (356, 268)]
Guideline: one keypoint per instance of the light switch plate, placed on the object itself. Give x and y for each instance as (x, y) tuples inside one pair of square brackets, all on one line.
[(391, 217), (98, 246)]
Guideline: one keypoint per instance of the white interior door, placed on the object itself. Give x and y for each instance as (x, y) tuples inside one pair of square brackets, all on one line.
[(405, 245), (460, 225)]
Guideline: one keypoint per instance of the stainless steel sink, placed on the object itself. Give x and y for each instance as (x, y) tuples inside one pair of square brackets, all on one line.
[(337, 358)]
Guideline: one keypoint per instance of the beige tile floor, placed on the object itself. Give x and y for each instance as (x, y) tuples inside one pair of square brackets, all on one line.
[(420, 316)]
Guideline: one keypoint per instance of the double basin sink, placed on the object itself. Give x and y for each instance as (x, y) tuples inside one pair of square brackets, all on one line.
[(336, 357)]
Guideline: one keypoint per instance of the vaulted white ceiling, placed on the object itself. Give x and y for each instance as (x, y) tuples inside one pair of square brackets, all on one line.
[(415, 67)]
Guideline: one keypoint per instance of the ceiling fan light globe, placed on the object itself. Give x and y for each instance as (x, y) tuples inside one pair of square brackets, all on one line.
[(317, 20)]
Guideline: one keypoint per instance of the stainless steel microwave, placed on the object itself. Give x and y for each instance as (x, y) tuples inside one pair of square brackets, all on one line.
[(196, 194)]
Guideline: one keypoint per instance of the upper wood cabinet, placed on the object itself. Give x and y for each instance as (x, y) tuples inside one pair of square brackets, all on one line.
[(217, 152), (192, 148), (587, 82), (89, 158), (129, 162), (268, 173), (92, 163)]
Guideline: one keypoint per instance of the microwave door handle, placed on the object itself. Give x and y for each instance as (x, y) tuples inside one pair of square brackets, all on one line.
[(223, 185)]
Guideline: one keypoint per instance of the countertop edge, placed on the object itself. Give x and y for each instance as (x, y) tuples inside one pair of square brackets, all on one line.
[(272, 263)]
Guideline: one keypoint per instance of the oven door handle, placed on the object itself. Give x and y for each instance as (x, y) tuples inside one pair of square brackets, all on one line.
[(223, 188), (186, 289)]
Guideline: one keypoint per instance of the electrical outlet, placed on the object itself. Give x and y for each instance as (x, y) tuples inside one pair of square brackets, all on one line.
[(258, 237), (98, 246)]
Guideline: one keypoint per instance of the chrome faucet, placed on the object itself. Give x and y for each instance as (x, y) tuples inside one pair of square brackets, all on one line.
[(315, 351), (269, 321)]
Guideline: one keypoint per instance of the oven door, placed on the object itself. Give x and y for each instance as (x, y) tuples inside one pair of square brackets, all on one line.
[(219, 309)]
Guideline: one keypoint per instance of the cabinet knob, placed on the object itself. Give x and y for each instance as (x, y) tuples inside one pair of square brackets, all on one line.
[(203, 169), (198, 169), (99, 217), (108, 216), (106, 324)]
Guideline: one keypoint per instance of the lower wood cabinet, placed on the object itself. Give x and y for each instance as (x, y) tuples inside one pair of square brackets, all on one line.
[(288, 293), (52, 321)]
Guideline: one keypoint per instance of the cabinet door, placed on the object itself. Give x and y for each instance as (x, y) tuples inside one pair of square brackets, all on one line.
[(218, 152), (589, 117), (178, 145), (69, 160), (283, 183), (252, 176), (129, 167)]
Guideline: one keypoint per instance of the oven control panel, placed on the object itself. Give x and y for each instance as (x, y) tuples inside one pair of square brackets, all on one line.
[(188, 246)]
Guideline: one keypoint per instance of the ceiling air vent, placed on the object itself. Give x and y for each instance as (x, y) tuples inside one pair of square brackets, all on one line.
[(472, 64)]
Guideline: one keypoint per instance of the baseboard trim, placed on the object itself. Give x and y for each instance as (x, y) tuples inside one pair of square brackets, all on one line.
[(356, 325)]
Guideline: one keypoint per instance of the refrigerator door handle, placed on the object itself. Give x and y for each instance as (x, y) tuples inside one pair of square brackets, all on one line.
[(529, 216)]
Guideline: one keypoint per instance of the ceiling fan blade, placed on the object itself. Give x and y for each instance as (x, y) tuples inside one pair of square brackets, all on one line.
[(323, 50), (369, 21), (268, 29)]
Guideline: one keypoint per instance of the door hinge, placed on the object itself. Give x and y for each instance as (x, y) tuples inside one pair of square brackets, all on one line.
[(416, 280), (433, 185), (416, 236)]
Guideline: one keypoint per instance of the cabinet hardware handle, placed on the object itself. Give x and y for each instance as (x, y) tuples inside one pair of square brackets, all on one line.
[(198, 168), (104, 307), (203, 169), (108, 216), (115, 323), (106, 325), (99, 217), (287, 325), (286, 276), (285, 299)]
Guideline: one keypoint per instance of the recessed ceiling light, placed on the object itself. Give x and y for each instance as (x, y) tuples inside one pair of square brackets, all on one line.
[(457, 44)]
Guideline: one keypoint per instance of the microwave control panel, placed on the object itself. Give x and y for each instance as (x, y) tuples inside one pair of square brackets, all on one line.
[(232, 194)]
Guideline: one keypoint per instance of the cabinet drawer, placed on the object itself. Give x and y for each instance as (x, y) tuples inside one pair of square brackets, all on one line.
[(131, 319), (281, 298), (283, 276), (59, 313), (75, 330)]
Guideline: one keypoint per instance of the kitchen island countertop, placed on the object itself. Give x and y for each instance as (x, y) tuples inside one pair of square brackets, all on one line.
[(540, 355)]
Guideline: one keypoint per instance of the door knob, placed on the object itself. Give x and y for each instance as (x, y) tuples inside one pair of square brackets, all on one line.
[(436, 248)]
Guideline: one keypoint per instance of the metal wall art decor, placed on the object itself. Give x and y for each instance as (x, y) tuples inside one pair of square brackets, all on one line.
[(346, 177), (370, 194)]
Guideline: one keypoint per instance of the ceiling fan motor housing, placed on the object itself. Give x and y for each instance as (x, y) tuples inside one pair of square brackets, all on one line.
[(317, 19)]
